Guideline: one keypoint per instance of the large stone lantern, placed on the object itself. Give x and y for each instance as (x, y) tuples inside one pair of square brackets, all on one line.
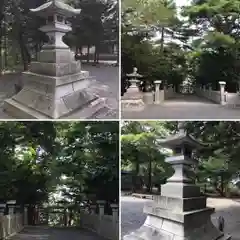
[(133, 98), (180, 213), (56, 87)]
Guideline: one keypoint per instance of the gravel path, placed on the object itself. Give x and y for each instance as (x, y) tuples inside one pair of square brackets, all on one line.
[(184, 107), (132, 215), (45, 233)]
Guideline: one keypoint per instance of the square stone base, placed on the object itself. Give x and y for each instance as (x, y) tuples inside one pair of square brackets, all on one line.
[(20, 111), (132, 105), (45, 97), (156, 228)]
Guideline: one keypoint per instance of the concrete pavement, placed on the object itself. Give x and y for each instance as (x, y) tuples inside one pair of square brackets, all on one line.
[(47, 233), (184, 107)]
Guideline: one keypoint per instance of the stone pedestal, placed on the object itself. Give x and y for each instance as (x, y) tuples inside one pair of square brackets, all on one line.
[(222, 93), (56, 87), (133, 98), (180, 213)]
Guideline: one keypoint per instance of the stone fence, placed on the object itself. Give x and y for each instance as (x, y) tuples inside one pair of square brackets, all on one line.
[(221, 97), (12, 221), (169, 92), (214, 96), (159, 95), (106, 226)]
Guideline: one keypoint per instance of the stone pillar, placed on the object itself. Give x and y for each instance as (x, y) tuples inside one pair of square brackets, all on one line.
[(25, 216), (114, 211), (3, 233), (133, 98), (210, 91), (37, 215), (101, 205), (222, 92), (2, 209), (157, 91), (11, 206)]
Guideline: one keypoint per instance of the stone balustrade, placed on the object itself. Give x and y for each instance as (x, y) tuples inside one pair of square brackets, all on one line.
[(169, 92), (104, 225), (12, 222), (214, 96), (221, 97)]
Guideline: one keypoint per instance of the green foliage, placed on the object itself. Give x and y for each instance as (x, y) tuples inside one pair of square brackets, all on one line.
[(41, 158), (141, 154), (20, 39), (218, 161), (207, 46)]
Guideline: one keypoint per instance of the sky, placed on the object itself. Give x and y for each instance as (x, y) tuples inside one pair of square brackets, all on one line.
[(182, 2)]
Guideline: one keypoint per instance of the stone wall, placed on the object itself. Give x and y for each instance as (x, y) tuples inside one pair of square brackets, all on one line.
[(169, 92), (214, 96), (10, 225), (230, 99), (11, 222), (106, 226)]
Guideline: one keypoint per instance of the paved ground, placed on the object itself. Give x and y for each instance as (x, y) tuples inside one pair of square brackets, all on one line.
[(105, 74), (184, 107), (132, 215), (45, 233)]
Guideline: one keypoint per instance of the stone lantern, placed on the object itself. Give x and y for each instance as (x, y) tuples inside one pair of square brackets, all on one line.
[(133, 98), (56, 87), (180, 213)]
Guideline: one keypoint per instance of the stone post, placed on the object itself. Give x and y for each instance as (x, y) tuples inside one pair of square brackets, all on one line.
[(3, 233), (114, 211), (2, 209), (37, 215), (222, 92), (11, 206), (25, 216), (101, 205), (157, 91)]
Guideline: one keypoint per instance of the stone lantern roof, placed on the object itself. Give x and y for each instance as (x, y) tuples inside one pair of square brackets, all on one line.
[(53, 7), (182, 138)]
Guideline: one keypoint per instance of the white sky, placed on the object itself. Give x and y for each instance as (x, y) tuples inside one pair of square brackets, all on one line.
[(182, 2)]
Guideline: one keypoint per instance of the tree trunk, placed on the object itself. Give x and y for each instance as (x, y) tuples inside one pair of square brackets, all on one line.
[(5, 46), (88, 50), (26, 58), (1, 67), (149, 187), (162, 39)]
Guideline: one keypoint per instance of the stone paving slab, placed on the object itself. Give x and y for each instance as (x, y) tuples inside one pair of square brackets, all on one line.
[(46, 233), (132, 215), (105, 74), (184, 107)]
